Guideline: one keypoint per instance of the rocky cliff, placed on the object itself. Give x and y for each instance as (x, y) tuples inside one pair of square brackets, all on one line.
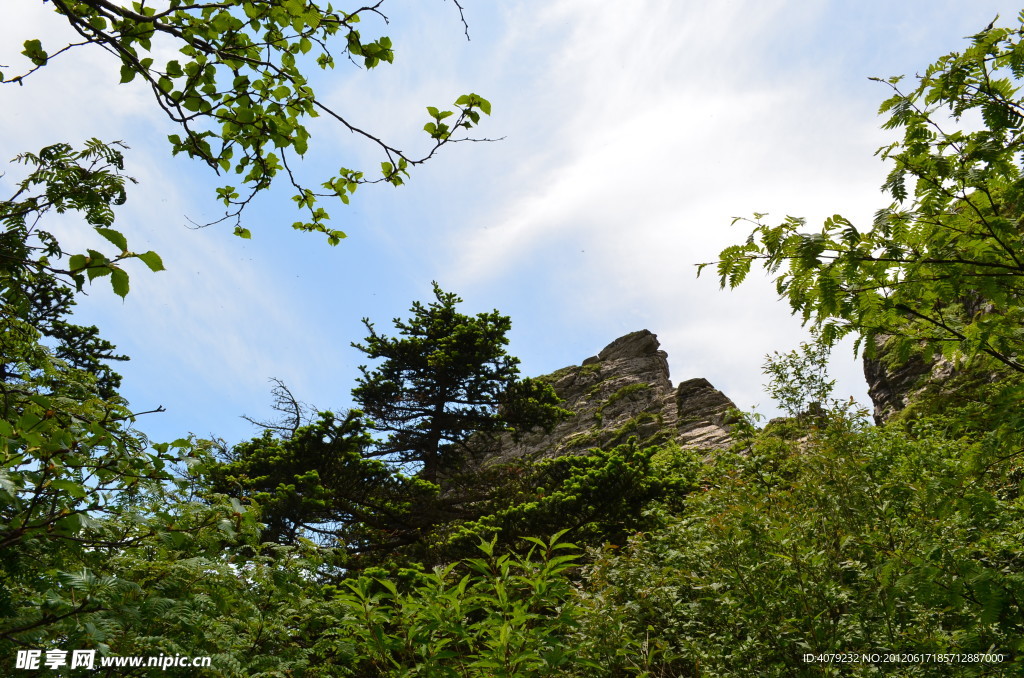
[(917, 385), (891, 387), (625, 391)]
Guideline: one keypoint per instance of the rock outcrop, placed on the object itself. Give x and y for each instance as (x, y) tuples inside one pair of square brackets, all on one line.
[(917, 386), (891, 387), (625, 391)]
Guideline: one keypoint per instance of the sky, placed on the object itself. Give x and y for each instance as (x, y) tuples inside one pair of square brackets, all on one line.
[(630, 139)]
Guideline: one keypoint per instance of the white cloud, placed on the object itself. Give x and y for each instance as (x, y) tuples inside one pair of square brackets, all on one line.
[(668, 121)]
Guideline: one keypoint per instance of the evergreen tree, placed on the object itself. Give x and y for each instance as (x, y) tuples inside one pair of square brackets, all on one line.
[(446, 386), (445, 390)]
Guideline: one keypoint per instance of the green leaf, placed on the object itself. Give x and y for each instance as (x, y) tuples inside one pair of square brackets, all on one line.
[(98, 270), (71, 487), (152, 260), (119, 282), (242, 232), (77, 263), (35, 52), (115, 238), (237, 79)]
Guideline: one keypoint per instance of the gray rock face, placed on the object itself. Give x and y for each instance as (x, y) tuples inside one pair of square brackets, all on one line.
[(892, 387), (625, 391), (917, 386)]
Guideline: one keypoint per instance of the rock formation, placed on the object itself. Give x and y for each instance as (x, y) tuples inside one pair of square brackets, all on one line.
[(917, 386), (891, 387), (625, 391)]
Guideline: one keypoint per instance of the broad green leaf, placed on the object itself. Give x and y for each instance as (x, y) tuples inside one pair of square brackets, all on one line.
[(152, 260), (33, 49), (77, 262), (98, 270), (119, 282), (115, 237), (69, 486)]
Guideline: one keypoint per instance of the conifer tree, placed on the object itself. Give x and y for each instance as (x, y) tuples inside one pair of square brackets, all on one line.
[(446, 386)]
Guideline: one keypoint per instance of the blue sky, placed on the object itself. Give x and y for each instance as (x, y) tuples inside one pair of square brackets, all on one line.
[(631, 138)]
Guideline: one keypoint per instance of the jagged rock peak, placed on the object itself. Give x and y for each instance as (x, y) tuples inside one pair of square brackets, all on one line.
[(625, 391), (633, 345)]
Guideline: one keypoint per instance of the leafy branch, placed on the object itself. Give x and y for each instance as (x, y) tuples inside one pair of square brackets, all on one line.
[(240, 92), (941, 265)]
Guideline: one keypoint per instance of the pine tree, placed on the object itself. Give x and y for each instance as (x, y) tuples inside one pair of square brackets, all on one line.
[(446, 386)]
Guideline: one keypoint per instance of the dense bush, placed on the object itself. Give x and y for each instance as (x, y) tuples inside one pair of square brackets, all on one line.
[(495, 615), (851, 539)]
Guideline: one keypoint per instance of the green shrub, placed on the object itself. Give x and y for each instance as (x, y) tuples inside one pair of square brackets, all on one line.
[(491, 616), (854, 539)]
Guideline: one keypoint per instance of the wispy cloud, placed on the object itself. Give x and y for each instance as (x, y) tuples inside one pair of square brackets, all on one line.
[(666, 125)]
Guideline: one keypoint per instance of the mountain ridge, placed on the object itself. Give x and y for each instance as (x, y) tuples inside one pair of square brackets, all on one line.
[(625, 391)]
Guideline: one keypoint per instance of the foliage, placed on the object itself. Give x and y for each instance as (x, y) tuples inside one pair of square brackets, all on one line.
[(61, 179), (318, 484), (68, 461), (445, 385), (82, 348), (330, 482), (798, 381), (240, 91), (598, 496), (101, 545), (105, 545), (940, 266), (816, 534), (309, 482), (496, 615), (857, 539)]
